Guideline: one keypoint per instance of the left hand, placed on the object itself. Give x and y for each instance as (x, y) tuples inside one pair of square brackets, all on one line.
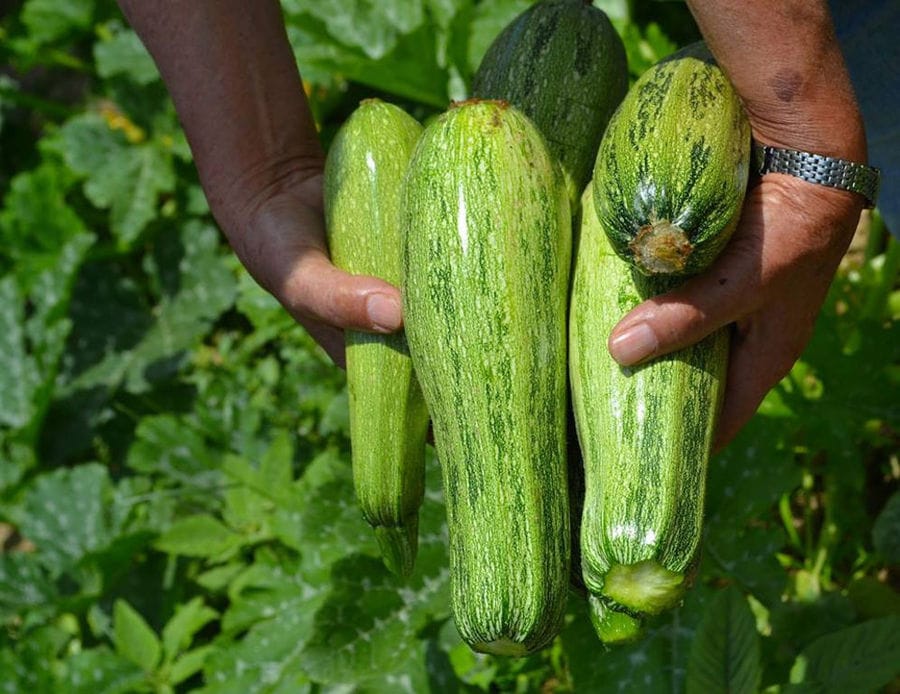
[(770, 281)]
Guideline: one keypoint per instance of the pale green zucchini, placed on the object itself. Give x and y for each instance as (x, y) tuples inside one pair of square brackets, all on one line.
[(388, 417), (488, 240), (645, 435), (673, 165)]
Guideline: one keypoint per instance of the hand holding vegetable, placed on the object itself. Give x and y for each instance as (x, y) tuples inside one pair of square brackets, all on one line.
[(234, 81), (772, 277)]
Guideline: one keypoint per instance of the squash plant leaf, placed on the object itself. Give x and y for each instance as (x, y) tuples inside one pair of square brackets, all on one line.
[(369, 26), (725, 654), (123, 177), (67, 515), (122, 53), (275, 605), (49, 20), (860, 658), (44, 241), (25, 585), (369, 620)]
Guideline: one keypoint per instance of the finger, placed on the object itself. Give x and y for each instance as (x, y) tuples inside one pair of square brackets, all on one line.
[(316, 289)]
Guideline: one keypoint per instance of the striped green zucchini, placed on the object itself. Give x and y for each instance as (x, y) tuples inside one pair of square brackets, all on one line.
[(488, 241), (388, 417), (673, 165), (562, 64), (645, 435)]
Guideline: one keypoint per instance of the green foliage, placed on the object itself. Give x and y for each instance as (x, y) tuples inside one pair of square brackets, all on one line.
[(176, 508), (725, 655)]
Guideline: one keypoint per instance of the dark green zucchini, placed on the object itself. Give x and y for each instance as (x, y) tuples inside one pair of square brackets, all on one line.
[(561, 63)]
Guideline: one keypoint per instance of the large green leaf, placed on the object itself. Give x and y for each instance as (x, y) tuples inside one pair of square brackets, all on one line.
[(196, 287), (372, 27), (369, 622), (747, 556), (410, 70), (67, 515), (48, 20), (125, 178), (725, 654), (276, 606), (122, 53), (24, 584), (169, 446), (861, 658), (47, 241)]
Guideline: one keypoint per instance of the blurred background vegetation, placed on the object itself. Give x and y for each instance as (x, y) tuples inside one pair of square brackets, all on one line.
[(176, 511)]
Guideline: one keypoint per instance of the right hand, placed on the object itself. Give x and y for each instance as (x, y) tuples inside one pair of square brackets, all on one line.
[(283, 247)]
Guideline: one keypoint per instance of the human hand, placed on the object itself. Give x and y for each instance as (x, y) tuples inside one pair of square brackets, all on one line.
[(283, 246), (770, 281)]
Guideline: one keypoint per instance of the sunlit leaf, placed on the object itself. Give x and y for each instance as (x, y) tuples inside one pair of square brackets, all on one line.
[(48, 20), (124, 54), (135, 640)]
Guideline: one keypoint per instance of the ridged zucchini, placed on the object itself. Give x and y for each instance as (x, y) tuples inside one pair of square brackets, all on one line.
[(488, 242), (673, 164), (645, 435), (388, 416), (561, 63)]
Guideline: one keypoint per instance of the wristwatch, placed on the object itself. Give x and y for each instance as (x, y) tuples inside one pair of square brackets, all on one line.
[(818, 168)]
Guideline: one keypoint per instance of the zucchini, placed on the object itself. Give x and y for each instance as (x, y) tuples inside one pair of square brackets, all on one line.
[(488, 240), (645, 435), (672, 168), (562, 64), (388, 417)]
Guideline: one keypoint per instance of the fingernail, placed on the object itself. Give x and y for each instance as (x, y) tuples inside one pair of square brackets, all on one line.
[(384, 312), (634, 345)]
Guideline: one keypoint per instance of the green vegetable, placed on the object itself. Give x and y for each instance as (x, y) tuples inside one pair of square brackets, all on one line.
[(672, 167), (562, 64), (488, 238), (645, 435), (388, 417)]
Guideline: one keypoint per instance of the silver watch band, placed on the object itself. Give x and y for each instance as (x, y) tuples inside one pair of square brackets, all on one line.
[(818, 168)]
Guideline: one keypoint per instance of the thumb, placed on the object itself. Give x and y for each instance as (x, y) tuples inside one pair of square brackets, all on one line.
[(316, 290)]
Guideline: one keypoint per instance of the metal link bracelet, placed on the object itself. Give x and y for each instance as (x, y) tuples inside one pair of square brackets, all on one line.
[(818, 168)]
